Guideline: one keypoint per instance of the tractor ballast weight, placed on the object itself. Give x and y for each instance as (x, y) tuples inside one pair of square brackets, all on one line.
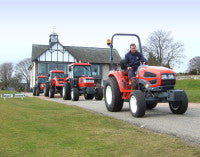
[(80, 81), (152, 84)]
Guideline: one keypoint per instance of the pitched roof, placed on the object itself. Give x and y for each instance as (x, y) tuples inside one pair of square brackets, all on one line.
[(85, 54), (37, 50)]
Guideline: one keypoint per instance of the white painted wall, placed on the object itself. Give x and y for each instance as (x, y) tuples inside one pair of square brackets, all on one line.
[(62, 57)]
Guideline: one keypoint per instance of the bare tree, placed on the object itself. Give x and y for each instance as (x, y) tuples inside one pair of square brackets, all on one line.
[(21, 70), (194, 65), (162, 50), (6, 71)]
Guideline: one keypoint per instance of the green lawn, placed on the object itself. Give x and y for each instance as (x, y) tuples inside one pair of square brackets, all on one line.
[(191, 87), (34, 127)]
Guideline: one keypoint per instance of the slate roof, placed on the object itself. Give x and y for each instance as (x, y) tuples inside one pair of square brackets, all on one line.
[(85, 54)]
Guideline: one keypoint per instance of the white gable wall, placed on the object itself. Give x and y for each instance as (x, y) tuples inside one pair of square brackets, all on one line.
[(53, 55)]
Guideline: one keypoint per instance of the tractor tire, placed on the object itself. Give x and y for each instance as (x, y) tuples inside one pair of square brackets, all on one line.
[(34, 91), (151, 104), (88, 96), (46, 89), (66, 91), (112, 95), (74, 94), (99, 94), (179, 107), (137, 103), (51, 92), (37, 91)]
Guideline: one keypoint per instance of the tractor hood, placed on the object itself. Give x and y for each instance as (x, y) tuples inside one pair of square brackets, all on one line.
[(155, 69), (156, 76)]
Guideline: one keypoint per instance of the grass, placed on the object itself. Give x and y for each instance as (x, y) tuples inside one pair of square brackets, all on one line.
[(34, 127), (191, 87)]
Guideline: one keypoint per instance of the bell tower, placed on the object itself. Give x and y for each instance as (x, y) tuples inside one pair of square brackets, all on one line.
[(53, 39)]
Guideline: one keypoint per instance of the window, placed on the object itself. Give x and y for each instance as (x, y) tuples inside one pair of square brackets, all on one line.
[(62, 67), (82, 71), (42, 68), (52, 66), (97, 67)]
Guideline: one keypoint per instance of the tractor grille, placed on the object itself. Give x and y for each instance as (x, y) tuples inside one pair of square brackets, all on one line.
[(167, 82)]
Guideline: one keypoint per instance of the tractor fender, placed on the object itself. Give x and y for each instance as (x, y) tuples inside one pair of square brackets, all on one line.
[(118, 76), (145, 84)]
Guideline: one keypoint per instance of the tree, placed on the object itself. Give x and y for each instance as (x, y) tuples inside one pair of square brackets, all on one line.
[(21, 70), (194, 65), (6, 71), (160, 49)]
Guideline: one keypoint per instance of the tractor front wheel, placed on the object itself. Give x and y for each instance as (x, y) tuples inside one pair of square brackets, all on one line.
[(151, 104), (37, 91), (34, 91), (179, 107), (51, 92), (112, 95), (137, 103), (74, 94), (66, 91), (46, 89), (99, 94)]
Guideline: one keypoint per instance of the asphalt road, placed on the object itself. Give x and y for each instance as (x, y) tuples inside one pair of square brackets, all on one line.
[(160, 119)]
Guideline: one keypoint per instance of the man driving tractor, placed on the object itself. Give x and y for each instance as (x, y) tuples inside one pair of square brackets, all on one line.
[(133, 59)]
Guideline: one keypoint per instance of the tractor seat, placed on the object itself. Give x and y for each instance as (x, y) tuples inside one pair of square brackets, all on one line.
[(123, 64)]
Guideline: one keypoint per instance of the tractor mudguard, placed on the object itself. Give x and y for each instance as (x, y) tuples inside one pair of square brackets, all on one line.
[(118, 76)]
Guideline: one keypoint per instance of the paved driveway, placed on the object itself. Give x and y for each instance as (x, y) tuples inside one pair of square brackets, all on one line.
[(160, 119)]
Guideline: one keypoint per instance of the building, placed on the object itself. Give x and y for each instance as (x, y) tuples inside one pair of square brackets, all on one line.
[(49, 57)]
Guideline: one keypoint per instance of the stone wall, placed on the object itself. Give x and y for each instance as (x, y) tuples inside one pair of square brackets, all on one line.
[(188, 77)]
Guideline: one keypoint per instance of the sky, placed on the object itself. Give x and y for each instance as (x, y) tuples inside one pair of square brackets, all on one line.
[(91, 22)]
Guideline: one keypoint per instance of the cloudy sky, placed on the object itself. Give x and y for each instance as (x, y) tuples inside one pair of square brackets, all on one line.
[(90, 23)]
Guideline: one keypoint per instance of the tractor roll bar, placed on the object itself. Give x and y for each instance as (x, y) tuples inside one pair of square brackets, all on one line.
[(111, 45)]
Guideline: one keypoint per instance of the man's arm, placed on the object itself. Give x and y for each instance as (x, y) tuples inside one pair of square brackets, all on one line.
[(143, 60)]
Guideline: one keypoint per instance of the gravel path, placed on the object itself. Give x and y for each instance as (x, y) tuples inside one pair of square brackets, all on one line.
[(160, 119)]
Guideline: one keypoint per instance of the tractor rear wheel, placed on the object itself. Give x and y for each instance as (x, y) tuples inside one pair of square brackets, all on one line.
[(112, 95), (99, 94), (34, 91), (37, 91), (179, 107), (88, 96), (46, 89), (151, 104), (51, 92), (74, 94), (66, 91), (137, 103)]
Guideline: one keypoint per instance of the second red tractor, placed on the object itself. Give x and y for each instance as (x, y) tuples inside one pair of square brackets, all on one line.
[(80, 81)]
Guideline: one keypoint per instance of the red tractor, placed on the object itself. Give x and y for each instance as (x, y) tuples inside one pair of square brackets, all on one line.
[(80, 81), (39, 86), (153, 84), (56, 80)]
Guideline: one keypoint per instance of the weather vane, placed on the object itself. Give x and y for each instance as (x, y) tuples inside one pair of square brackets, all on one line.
[(53, 28)]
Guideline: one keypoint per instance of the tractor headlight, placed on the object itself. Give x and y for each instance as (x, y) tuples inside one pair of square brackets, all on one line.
[(171, 76), (163, 76), (167, 76), (87, 81)]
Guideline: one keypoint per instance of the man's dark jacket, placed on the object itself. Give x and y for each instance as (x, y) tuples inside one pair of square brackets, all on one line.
[(134, 59)]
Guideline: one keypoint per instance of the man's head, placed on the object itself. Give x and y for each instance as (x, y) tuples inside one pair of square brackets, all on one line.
[(133, 48)]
